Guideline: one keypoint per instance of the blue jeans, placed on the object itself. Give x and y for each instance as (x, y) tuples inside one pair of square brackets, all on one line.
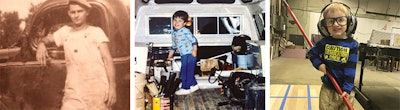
[(187, 71)]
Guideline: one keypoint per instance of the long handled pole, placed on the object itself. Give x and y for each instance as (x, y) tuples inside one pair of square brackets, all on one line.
[(338, 89)]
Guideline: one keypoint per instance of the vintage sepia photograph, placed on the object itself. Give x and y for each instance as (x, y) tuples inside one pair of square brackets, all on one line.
[(65, 55), (200, 54)]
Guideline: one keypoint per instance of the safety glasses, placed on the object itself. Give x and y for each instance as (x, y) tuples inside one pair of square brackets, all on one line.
[(339, 20)]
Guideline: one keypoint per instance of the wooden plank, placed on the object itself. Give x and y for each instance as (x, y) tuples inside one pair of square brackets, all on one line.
[(278, 89), (314, 90), (296, 104), (314, 103), (298, 90), (203, 99), (298, 97), (275, 103)]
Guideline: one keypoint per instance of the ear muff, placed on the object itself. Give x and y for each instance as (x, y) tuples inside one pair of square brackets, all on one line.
[(322, 28), (351, 22), (351, 25)]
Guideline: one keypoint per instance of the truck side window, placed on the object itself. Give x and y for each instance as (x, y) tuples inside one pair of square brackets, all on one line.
[(207, 25), (173, 1), (216, 1), (45, 23), (160, 25), (229, 25), (51, 20), (260, 23)]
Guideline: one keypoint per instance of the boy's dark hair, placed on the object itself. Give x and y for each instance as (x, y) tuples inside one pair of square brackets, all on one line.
[(181, 14)]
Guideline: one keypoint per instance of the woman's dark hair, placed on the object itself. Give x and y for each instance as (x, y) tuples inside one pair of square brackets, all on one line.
[(86, 7), (181, 14)]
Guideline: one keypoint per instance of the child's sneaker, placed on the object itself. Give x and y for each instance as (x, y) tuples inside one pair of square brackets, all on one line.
[(183, 92), (194, 88)]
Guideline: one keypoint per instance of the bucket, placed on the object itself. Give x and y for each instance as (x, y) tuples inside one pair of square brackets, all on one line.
[(245, 61), (176, 65), (165, 103), (161, 103), (156, 103)]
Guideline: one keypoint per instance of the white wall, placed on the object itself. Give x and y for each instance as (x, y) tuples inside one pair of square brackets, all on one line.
[(314, 18), (364, 27)]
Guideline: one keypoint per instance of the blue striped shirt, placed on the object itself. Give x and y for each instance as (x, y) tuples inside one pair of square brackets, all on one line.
[(340, 58)]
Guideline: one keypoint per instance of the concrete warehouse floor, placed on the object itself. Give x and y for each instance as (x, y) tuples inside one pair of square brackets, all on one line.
[(381, 88)]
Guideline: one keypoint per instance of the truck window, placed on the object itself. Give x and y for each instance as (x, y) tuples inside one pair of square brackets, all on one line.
[(207, 25), (260, 23), (216, 1), (160, 25), (204, 25), (229, 25), (163, 25), (51, 20), (218, 25), (47, 22), (173, 1)]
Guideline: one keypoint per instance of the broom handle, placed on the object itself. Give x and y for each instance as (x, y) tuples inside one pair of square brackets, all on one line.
[(338, 89)]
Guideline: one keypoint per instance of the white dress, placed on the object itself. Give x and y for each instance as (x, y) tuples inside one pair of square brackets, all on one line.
[(86, 83)]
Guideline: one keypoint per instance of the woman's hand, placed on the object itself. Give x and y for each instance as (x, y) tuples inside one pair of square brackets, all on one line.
[(41, 53), (111, 96)]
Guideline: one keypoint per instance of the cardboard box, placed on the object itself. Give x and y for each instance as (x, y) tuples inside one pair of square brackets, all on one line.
[(290, 47), (295, 47), (385, 42), (298, 47)]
